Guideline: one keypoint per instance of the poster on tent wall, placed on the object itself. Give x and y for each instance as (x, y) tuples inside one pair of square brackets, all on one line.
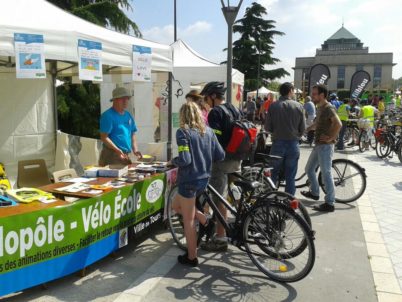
[(29, 56), (90, 60), (142, 59)]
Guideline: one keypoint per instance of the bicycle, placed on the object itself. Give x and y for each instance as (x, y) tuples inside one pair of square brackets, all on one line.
[(264, 229), (350, 178), (351, 133), (388, 141), (281, 197), (366, 139)]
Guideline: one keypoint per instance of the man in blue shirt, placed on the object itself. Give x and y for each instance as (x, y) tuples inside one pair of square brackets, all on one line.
[(117, 131)]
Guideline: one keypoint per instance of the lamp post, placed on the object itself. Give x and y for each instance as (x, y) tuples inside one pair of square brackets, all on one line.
[(258, 67), (230, 14)]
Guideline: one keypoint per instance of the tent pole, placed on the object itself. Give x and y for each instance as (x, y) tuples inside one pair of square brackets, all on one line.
[(170, 124), (53, 71)]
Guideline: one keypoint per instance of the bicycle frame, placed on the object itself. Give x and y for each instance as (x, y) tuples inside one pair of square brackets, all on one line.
[(216, 211)]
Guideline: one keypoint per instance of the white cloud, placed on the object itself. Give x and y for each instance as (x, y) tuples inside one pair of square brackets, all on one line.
[(267, 3), (165, 34), (196, 28)]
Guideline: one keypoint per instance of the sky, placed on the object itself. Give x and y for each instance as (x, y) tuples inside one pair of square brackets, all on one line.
[(306, 24)]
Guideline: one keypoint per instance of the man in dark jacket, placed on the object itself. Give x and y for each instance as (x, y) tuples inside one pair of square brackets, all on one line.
[(286, 123)]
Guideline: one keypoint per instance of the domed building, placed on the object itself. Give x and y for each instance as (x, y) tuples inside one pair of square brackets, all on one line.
[(345, 54)]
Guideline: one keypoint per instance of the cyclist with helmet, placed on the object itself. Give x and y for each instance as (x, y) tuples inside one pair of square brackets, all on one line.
[(333, 99), (354, 113), (221, 124), (343, 114), (368, 112)]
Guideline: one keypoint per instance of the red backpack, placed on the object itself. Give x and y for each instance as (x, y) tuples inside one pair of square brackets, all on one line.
[(242, 139)]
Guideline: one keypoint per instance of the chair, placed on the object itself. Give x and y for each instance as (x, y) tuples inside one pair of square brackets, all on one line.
[(62, 175), (32, 173)]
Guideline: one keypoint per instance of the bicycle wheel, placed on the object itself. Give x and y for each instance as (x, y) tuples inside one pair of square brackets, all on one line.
[(372, 140), (349, 180), (277, 228), (285, 198), (382, 147), (348, 135), (363, 140), (253, 174), (176, 221), (399, 151)]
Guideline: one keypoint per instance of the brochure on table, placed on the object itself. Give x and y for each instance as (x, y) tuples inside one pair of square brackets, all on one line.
[(90, 60), (29, 56)]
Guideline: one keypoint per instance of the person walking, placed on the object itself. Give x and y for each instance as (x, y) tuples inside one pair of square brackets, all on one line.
[(198, 149), (251, 107), (286, 123), (221, 124), (310, 113), (343, 114), (327, 126)]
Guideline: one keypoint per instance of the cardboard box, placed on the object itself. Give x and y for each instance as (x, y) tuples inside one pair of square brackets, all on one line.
[(92, 172)]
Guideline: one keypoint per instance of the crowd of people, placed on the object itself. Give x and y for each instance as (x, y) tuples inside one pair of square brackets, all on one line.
[(206, 125)]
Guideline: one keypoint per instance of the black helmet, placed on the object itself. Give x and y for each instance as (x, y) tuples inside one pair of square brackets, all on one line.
[(214, 88)]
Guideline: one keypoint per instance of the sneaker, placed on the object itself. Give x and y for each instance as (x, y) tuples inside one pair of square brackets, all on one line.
[(215, 245), (309, 195), (351, 144), (324, 207), (183, 259)]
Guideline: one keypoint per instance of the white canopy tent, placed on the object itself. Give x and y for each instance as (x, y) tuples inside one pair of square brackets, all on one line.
[(62, 30), (190, 69), (27, 108), (262, 92)]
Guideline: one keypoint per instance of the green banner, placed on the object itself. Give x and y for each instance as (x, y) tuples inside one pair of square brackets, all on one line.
[(39, 236)]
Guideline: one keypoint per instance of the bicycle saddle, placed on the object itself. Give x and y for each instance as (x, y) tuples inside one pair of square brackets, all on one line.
[(268, 157), (247, 186)]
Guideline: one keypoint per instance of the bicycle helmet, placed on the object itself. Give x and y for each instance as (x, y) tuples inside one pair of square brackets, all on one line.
[(214, 88)]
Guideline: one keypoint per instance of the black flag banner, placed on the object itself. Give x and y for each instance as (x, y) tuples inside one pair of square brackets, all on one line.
[(319, 74), (359, 82)]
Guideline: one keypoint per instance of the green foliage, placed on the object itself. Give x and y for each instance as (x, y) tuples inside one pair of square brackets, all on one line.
[(256, 37), (274, 85), (78, 109), (79, 105), (106, 13), (397, 84)]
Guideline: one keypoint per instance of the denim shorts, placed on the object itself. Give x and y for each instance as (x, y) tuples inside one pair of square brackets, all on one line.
[(192, 189)]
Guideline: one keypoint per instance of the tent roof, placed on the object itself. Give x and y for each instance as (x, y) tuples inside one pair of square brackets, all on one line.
[(61, 30), (262, 90), (186, 57)]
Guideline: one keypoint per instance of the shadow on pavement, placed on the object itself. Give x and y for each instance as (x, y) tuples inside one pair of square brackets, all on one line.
[(386, 161), (104, 278), (226, 277)]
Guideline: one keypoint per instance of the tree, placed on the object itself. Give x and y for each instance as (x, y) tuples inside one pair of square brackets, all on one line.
[(106, 13), (79, 104), (79, 109), (253, 51)]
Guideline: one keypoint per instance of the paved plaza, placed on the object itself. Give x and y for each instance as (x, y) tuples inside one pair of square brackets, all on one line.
[(359, 252)]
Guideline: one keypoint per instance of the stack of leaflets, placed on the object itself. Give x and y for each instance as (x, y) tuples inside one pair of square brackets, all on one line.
[(74, 188), (27, 195)]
